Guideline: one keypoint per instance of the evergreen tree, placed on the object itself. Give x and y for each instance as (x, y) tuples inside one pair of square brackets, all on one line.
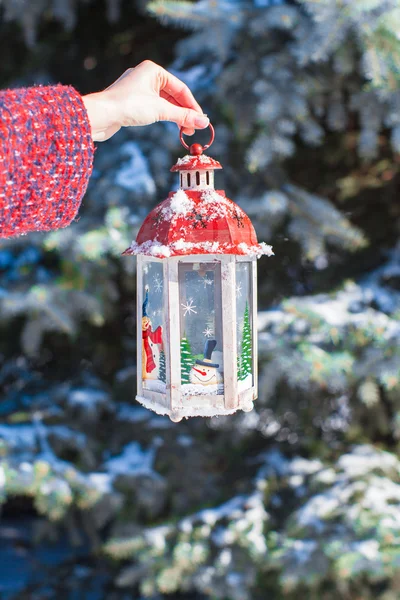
[(239, 367), (246, 362), (305, 58), (187, 359), (62, 11), (162, 373), (276, 76)]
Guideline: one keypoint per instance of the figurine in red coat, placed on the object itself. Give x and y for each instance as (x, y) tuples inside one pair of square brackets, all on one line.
[(47, 134), (151, 345)]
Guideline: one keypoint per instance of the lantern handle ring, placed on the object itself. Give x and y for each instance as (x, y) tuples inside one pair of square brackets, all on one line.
[(210, 141)]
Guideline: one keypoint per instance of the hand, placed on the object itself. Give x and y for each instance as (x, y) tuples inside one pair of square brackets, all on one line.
[(141, 96)]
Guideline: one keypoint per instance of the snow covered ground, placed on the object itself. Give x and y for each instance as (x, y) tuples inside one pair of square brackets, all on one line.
[(155, 385), (245, 384), (190, 389)]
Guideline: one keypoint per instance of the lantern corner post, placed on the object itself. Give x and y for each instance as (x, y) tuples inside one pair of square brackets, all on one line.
[(173, 350), (166, 335), (255, 326), (229, 334), (139, 303)]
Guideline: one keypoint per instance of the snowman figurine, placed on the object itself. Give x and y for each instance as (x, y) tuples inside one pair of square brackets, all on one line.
[(204, 372), (151, 344)]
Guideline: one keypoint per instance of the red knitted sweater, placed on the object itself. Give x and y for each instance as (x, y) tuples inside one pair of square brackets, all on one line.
[(46, 158)]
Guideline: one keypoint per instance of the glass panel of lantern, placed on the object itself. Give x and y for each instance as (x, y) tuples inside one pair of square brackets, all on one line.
[(201, 342), (151, 338)]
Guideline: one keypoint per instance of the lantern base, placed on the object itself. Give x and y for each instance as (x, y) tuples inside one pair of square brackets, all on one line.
[(184, 412)]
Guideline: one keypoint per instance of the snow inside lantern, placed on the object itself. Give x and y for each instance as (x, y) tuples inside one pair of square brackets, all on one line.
[(197, 298)]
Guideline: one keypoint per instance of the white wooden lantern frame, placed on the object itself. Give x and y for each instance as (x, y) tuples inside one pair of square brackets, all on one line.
[(172, 403)]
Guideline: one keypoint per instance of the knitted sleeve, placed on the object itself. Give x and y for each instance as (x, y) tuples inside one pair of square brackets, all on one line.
[(46, 158)]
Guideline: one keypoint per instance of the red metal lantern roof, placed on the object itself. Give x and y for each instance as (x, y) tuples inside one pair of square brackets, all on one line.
[(197, 222), (200, 162)]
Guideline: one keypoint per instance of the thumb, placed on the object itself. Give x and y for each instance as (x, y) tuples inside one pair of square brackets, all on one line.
[(184, 117)]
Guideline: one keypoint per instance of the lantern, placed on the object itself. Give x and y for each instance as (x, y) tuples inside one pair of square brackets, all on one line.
[(196, 298)]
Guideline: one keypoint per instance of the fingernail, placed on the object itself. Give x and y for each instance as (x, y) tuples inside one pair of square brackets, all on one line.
[(201, 122)]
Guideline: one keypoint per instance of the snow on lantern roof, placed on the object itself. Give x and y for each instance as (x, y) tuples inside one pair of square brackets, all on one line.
[(197, 222), (200, 162)]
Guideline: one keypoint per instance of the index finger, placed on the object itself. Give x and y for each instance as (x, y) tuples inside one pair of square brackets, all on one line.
[(179, 91)]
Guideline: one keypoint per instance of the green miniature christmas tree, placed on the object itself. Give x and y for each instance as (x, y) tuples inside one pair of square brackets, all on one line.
[(187, 359), (162, 373), (245, 360), (239, 366)]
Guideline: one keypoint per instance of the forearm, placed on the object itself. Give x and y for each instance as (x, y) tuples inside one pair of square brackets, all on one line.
[(46, 157)]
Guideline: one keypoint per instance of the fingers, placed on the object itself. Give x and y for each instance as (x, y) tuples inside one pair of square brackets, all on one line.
[(168, 97), (173, 86), (179, 91), (186, 118), (173, 101)]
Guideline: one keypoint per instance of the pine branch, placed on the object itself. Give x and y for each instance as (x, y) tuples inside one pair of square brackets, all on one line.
[(180, 13)]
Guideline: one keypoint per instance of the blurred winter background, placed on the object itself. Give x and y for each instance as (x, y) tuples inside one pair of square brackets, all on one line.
[(300, 498)]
